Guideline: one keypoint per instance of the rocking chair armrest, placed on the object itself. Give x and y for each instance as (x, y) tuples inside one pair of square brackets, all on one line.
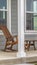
[(13, 39)]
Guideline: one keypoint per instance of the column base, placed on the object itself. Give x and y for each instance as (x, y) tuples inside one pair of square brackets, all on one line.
[(21, 54)]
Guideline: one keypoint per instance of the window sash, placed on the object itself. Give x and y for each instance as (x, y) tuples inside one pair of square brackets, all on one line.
[(26, 23), (25, 19)]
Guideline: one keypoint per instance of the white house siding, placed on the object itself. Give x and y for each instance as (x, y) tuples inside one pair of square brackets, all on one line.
[(14, 19), (31, 37), (14, 26), (14, 22), (2, 42)]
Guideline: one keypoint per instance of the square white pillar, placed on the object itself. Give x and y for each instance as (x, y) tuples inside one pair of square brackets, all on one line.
[(21, 52)]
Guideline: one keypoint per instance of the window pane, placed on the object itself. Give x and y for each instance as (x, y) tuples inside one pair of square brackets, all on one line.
[(31, 21), (3, 4), (35, 5), (35, 22), (31, 5), (3, 18)]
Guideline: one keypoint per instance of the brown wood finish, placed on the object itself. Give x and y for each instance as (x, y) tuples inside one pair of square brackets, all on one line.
[(9, 38), (28, 44)]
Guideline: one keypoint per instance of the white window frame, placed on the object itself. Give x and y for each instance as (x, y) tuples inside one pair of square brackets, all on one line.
[(9, 15), (1, 33), (29, 31), (8, 10)]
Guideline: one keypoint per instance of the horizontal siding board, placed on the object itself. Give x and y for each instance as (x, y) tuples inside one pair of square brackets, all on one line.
[(31, 37)]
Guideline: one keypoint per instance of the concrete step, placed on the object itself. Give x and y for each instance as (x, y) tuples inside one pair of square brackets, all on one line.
[(13, 62), (16, 60)]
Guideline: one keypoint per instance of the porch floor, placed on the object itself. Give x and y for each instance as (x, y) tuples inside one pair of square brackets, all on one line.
[(11, 57), (12, 54), (31, 53), (7, 54)]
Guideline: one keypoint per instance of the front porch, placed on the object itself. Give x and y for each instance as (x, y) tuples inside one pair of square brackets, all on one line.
[(16, 24), (10, 57)]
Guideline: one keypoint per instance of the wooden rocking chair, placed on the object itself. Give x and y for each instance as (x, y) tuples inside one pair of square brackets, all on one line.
[(10, 40)]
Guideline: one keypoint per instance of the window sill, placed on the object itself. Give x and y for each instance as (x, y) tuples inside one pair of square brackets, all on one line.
[(30, 32)]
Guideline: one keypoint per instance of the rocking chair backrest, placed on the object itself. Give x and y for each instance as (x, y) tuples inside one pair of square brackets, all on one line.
[(5, 31)]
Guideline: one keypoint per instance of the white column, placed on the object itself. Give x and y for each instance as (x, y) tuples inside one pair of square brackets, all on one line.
[(21, 52), (9, 15)]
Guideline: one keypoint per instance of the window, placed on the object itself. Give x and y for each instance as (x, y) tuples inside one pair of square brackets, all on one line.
[(31, 14), (3, 18), (3, 12), (3, 4)]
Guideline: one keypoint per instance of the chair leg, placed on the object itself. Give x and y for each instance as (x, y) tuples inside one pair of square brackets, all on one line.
[(5, 47), (34, 45), (27, 46), (11, 47)]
